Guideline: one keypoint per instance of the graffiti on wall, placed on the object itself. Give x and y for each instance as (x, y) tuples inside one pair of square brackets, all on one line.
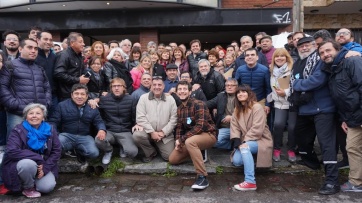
[(281, 18)]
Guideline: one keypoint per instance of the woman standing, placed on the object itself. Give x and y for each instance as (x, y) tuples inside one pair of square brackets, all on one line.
[(31, 161), (250, 135), (97, 49), (280, 70), (98, 81), (134, 58), (157, 68), (115, 62), (180, 61), (143, 67), (165, 58)]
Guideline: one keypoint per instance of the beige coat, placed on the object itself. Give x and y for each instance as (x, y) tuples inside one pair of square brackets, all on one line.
[(157, 114), (252, 126)]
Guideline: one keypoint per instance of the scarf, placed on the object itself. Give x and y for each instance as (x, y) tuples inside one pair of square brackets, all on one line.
[(279, 71), (312, 60), (37, 137)]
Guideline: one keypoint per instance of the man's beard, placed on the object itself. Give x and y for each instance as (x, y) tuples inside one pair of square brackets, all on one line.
[(306, 54), (12, 49)]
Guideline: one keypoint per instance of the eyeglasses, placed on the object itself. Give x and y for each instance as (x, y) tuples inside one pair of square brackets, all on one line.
[(228, 85), (342, 33), (185, 77), (12, 39)]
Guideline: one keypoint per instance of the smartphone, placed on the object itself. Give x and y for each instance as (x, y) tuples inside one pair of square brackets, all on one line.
[(88, 74)]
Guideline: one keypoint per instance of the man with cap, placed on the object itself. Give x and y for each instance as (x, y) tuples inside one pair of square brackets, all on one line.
[(289, 45), (172, 78), (267, 48), (311, 96)]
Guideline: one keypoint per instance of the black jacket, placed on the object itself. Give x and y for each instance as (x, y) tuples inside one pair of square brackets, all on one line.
[(212, 84), (345, 84), (219, 103), (193, 62), (96, 87), (67, 118), (119, 113), (68, 68), (158, 70), (122, 72), (48, 63)]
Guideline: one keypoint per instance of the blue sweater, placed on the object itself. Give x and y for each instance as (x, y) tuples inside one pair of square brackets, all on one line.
[(353, 46), (258, 78)]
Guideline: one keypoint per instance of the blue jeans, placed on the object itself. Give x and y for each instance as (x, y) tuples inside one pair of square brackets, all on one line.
[(223, 139), (12, 121), (244, 157), (83, 144)]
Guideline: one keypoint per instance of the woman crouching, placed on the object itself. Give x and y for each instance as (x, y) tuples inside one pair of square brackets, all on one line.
[(250, 135), (32, 152)]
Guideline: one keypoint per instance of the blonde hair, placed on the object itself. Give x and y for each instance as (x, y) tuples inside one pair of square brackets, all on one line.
[(281, 52)]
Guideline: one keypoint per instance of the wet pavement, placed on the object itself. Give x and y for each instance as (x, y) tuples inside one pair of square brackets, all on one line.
[(272, 187)]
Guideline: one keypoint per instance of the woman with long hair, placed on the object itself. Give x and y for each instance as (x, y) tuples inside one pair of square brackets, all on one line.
[(165, 58), (145, 66), (157, 68), (280, 70), (97, 49), (250, 135), (134, 58), (180, 61)]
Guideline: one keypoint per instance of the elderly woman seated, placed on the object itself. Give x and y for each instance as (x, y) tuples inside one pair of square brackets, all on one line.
[(33, 150)]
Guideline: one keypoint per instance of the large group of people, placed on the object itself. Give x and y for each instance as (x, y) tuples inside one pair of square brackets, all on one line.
[(170, 101)]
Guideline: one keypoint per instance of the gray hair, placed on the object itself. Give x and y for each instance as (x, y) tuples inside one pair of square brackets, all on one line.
[(111, 54), (233, 80), (73, 37), (32, 106), (204, 60), (150, 43), (124, 41), (246, 37)]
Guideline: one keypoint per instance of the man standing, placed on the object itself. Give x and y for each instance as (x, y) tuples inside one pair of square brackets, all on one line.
[(258, 36), (195, 131), (345, 38), (23, 82), (74, 117), (316, 114), (256, 76), (195, 56), (11, 43), (225, 104), (146, 81), (172, 78), (345, 84), (69, 66), (157, 115), (33, 33), (46, 59), (267, 48), (247, 43), (211, 81), (118, 110)]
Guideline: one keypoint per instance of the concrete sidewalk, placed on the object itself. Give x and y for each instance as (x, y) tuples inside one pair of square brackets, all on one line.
[(218, 162)]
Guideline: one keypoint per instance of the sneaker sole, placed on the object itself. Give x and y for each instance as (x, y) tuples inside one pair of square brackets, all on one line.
[(350, 190), (343, 167), (198, 187), (244, 189)]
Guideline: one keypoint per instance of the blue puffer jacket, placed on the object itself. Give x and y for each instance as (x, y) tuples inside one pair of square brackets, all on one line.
[(67, 118), (258, 78), (353, 46), (317, 83), (26, 84)]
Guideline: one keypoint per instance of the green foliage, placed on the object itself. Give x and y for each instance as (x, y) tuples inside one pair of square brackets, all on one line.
[(113, 167), (169, 173), (219, 170)]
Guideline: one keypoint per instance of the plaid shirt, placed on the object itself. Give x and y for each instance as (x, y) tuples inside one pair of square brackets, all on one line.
[(193, 118)]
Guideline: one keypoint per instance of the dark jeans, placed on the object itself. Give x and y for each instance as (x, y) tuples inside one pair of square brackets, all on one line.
[(3, 130), (280, 120), (323, 126)]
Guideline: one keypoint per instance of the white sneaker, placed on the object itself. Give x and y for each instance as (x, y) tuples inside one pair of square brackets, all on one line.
[(122, 154), (107, 157), (2, 153)]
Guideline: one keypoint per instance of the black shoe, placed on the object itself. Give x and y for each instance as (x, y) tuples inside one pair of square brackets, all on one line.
[(314, 167), (343, 164), (81, 159), (200, 183), (329, 189), (149, 159), (204, 155), (71, 154)]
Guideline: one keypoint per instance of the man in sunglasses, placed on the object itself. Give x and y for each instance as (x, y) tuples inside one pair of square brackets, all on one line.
[(345, 38)]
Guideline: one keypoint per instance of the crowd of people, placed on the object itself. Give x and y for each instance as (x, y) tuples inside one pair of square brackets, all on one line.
[(83, 101)]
